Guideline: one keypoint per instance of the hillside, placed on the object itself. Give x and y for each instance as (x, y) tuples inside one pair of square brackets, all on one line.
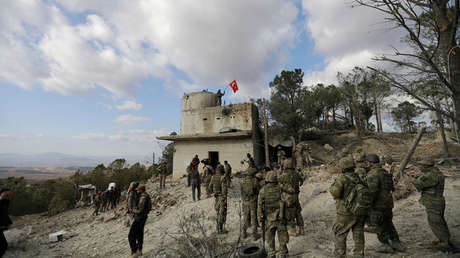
[(106, 235)]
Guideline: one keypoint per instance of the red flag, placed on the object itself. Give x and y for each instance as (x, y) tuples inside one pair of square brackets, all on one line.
[(234, 86)]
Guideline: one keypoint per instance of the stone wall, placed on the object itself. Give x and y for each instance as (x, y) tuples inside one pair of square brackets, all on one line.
[(231, 150)]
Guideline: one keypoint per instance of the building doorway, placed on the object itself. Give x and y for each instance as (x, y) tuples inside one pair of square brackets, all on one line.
[(213, 158)]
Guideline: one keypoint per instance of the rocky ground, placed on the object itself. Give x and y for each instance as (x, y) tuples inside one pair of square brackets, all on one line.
[(106, 235)]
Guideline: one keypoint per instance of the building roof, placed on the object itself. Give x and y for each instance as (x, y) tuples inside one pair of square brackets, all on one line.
[(209, 136)]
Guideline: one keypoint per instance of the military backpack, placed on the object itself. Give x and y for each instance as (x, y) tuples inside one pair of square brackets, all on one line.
[(216, 184), (272, 196), (248, 189), (359, 200)]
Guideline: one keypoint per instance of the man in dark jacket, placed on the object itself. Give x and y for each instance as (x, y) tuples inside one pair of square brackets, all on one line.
[(5, 221), (136, 232)]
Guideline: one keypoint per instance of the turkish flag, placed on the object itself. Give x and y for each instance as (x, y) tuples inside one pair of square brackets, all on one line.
[(234, 86)]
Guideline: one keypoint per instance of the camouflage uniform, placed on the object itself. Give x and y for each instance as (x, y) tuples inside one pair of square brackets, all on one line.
[(290, 182), (270, 210), (361, 166), (97, 203), (431, 186), (195, 181), (208, 171), (218, 186), (380, 184), (163, 171), (228, 173), (345, 220), (249, 192), (281, 155)]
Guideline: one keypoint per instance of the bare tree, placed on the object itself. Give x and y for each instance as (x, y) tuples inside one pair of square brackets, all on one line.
[(432, 34)]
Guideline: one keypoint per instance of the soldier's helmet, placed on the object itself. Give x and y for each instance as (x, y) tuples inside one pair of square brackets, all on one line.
[(220, 169), (387, 159), (287, 163), (252, 171), (426, 162), (347, 162), (271, 177), (372, 158)]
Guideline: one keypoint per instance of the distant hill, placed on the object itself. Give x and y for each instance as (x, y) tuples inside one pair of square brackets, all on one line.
[(54, 159)]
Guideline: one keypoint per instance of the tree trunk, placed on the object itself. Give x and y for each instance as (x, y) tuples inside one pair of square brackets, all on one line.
[(355, 114), (441, 127), (267, 156), (379, 112), (410, 153), (454, 65)]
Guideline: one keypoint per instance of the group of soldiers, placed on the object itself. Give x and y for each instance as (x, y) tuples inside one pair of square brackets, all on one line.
[(106, 200), (363, 195)]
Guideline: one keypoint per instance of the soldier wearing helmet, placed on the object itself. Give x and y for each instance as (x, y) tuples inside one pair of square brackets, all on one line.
[(270, 211), (218, 186), (380, 184), (360, 164), (345, 220), (290, 181), (431, 186)]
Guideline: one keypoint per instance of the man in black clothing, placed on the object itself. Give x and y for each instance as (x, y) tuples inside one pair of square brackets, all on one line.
[(5, 221), (136, 232)]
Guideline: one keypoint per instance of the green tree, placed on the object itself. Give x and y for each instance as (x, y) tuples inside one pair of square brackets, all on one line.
[(287, 101), (404, 114)]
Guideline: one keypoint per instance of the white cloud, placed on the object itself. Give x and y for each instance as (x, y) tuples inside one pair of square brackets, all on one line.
[(121, 43), (346, 37), (130, 119), (90, 136), (129, 105)]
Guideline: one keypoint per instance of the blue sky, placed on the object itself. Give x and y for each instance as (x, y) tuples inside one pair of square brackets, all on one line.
[(106, 77)]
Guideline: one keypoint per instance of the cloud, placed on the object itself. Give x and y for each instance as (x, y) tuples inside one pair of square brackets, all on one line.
[(116, 44), (90, 136), (346, 37), (130, 119), (129, 105)]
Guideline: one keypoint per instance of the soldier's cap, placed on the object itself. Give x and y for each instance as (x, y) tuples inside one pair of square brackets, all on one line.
[(346, 162), (141, 187), (220, 169), (372, 158), (271, 177), (426, 162)]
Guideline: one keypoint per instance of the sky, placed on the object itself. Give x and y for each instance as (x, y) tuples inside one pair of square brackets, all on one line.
[(106, 77)]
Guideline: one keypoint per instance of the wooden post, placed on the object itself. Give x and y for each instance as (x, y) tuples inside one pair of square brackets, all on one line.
[(411, 152), (267, 156)]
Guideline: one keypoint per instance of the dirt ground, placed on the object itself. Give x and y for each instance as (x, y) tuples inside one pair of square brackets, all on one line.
[(92, 237)]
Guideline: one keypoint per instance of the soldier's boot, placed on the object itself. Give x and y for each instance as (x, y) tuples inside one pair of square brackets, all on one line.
[(245, 234), (134, 255), (301, 231), (446, 247), (397, 246), (139, 253), (292, 232), (223, 230), (255, 235), (384, 248)]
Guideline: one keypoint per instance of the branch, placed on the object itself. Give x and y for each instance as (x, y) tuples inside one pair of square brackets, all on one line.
[(414, 66), (455, 23)]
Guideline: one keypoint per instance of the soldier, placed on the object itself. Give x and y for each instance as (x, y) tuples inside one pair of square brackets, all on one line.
[(345, 219), (251, 162), (380, 184), (272, 215), (132, 201), (281, 155), (136, 232), (163, 171), (218, 186), (228, 173), (195, 181), (97, 202), (290, 182), (249, 193), (208, 172), (193, 166), (5, 221), (219, 95), (361, 165), (431, 185)]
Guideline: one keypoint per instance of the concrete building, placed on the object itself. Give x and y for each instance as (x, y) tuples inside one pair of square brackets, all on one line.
[(215, 132)]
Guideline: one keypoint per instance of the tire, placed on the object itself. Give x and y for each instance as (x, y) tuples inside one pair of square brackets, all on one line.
[(251, 251)]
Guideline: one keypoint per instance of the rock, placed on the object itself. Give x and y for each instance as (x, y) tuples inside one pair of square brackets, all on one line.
[(318, 191)]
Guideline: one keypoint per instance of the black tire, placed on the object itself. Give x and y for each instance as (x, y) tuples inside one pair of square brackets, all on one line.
[(252, 251)]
